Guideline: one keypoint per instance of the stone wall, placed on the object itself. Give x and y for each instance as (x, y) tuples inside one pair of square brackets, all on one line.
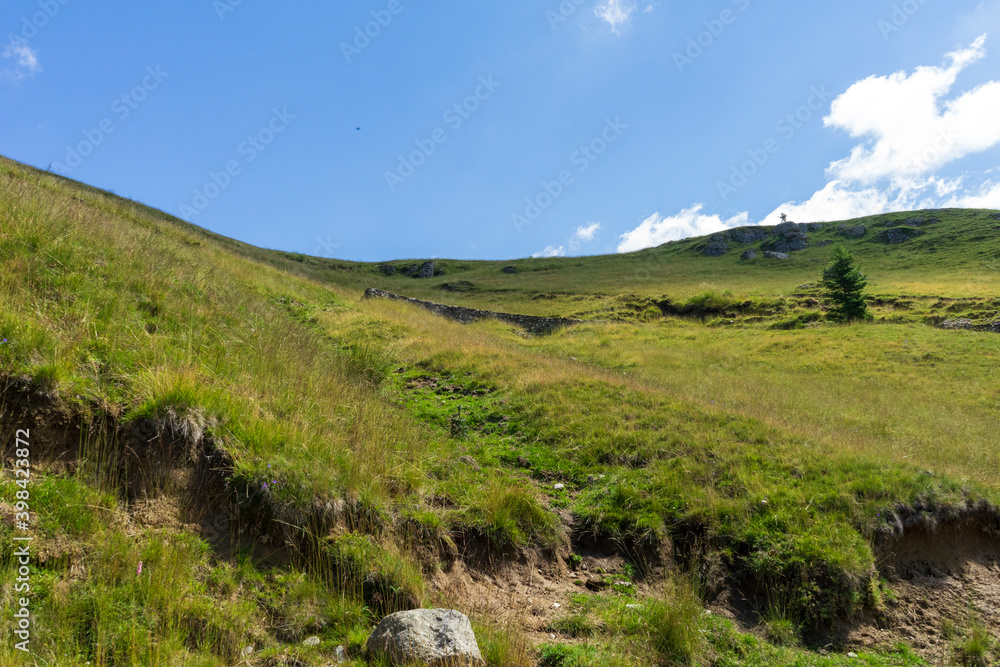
[(970, 325), (534, 324)]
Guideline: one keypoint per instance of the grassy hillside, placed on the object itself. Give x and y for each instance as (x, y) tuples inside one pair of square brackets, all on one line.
[(958, 256), (287, 459)]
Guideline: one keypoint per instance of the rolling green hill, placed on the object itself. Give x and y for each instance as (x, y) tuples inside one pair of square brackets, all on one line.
[(703, 471)]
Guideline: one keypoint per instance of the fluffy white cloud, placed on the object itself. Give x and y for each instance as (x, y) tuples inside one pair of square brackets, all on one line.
[(840, 201), (836, 201), (551, 251), (586, 232), (911, 132), (657, 230), (986, 196), (26, 61), (617, 13), (910, 129)]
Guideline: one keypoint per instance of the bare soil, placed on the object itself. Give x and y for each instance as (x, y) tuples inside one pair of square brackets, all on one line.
[(529, 591), (950, 574)]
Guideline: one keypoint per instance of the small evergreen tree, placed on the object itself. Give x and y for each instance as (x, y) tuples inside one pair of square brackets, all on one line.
[(845, 289)]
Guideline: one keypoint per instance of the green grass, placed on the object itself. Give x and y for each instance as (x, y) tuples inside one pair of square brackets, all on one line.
[(974, 649), (706, 405)]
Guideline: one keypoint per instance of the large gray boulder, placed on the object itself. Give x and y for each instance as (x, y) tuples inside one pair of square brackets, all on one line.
[(749, 254), (435, 637), (775, 255), (855, 232), (788, 227)]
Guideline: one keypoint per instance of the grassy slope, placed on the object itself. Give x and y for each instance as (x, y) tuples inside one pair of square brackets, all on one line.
[(720, 432)]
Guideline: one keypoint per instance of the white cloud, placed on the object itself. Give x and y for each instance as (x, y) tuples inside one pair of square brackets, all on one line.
[(617, 13), (910, 129), (26, 63), (986, 196), (836, 201), (657, 230), (586, 232), (551, 251), (911, 132)]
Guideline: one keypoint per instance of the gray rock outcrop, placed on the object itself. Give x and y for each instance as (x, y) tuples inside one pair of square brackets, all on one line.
[(435, 637), (749, 254), (749, 234), (897, 235), (425, 270), (510, 270), (789, 237), (770, 254), (716, 246)]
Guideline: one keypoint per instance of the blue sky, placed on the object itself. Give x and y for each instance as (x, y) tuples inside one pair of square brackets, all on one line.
[(382, 129)]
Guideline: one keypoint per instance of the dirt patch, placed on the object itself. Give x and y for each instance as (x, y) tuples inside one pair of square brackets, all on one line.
[(162, 513), (55, 428), (951, 574), (530, 591)]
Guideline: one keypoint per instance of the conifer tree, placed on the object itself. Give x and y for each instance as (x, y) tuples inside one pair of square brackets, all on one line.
[(845, 289)]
